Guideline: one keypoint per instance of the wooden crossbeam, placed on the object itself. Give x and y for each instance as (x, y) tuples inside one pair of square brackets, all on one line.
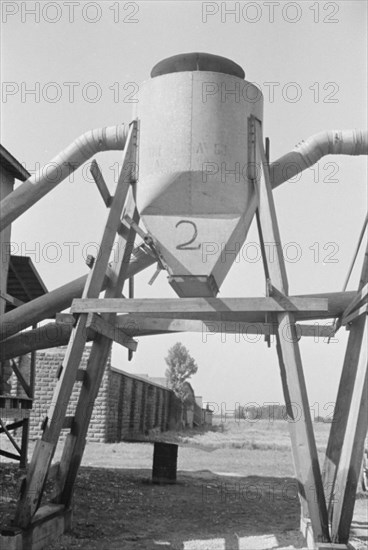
[(7, 454), (12, 426), (302, 437), (139, 326), (5, 430), (198, 305)]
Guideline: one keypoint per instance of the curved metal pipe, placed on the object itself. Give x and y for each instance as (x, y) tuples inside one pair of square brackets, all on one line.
[(307, 153), (112, 138)]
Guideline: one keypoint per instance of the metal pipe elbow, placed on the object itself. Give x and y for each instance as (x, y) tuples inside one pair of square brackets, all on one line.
[(112, 138), (310, 151)]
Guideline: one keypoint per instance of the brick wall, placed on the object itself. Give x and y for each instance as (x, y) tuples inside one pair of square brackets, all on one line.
[(47, 364), (126, 408), (137, 406)]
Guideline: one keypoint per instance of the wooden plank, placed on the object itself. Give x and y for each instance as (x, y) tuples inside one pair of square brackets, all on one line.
[(12, 426), (116, 334), (354, 314), (53, 473), (31, 490), (65, 318), (360, 295), (349, 467), (337, 302), (21, 379), (24, 443), (51, 522), (9, 455), (74, 445), (10, 299), (68, 422), (81, 375), (140, 326), (9, 436), (44, 451), (100, 182), (344, 398), (75, 442), (301, 430), (200, 305)]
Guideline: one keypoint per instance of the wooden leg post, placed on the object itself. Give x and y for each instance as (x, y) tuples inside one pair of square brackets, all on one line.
[(301, 429), (350, 463), (344, 398)]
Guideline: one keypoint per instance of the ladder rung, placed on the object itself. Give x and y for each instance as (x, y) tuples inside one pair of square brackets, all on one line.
[(81, 375), (68, 422)]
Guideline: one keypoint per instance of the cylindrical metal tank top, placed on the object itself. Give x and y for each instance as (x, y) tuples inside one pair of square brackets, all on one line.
[(193, 191)]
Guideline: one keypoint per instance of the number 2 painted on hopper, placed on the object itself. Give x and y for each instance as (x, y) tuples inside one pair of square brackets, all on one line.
[(185, 246)]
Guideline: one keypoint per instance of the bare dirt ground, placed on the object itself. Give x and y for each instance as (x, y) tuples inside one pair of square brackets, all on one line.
[(235, 490)]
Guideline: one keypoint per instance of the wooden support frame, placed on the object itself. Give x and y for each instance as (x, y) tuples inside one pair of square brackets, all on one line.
[(344, 451), (301, 431), (349, 467), (21, 451), (45, 447), (279, 311)]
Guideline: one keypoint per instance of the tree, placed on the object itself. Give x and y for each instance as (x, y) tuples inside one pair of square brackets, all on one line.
[(181, 366)]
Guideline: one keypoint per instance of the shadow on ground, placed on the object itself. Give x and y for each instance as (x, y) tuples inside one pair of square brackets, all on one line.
[(122, 509)]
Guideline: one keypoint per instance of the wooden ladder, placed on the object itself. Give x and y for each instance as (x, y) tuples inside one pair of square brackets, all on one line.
[(33, 486)]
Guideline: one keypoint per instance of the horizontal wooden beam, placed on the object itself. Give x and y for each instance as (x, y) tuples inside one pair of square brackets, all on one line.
[(140, 326), (13, 426), (13, 457), (9, 402), (197, 305)]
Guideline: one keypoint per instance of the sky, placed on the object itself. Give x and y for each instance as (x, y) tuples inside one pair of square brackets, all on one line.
[(68, 67)]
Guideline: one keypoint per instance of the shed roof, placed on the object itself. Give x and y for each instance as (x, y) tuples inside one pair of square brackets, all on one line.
[(24, 282), (12, 165)]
